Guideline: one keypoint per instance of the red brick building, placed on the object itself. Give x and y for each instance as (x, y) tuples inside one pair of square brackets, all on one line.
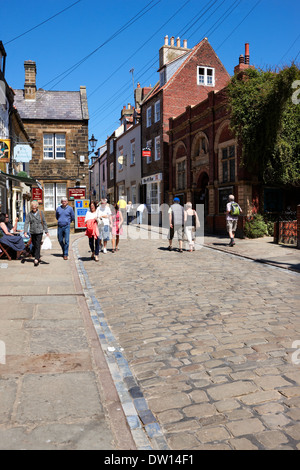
[(205, 159), (187, 76)]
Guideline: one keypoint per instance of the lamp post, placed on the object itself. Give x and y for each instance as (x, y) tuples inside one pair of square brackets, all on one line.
[(93, 143)]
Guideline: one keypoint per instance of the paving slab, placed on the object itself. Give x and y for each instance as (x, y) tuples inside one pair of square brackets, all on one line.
[(55, 388)]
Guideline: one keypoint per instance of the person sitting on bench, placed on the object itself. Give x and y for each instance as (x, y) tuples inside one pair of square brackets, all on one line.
[(15, 242)]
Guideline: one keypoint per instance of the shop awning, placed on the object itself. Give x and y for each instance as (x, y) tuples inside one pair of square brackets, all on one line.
[(20, 179)]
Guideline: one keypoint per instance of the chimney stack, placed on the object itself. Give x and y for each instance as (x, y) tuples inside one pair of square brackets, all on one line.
[(169, 52), (244, 61), (30, 80), (247, 56)]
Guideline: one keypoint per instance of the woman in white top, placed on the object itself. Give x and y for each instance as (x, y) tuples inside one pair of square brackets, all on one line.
[(104, 215), (191, 220)]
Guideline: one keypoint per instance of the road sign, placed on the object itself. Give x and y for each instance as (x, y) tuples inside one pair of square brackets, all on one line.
[(81, 208)]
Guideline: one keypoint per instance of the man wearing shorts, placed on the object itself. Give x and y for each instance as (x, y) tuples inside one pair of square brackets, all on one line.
[(103, 217), (231, 220), (176, 220)]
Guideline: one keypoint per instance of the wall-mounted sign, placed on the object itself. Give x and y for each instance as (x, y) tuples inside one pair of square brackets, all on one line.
[(37, 195), (146, 152), (22, 153), (76, 193), (152, 179), (4, 150)]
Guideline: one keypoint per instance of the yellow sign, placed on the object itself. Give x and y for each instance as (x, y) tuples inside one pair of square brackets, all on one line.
[(4, 150)]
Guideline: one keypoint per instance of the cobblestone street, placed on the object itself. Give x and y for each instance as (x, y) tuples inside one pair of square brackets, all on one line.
[(201, 345)]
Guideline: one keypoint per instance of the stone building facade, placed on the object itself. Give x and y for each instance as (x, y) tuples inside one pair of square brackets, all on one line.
[(57, 123)]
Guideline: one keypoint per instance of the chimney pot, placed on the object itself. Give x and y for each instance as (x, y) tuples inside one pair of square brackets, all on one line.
[(172, 41), (185, 43), (241, 59), (178, 42), (166, 40)]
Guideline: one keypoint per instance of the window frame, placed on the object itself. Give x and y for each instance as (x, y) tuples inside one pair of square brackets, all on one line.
[(227, 162), (132, 152), (149, 146), (157, 154), (55, 197), (181, 175), (111, 171), (157, 111), (205, 75), (54, 146), (149, 116)]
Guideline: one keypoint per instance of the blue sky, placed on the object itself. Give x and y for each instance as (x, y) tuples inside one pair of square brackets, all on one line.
[(96, 43)]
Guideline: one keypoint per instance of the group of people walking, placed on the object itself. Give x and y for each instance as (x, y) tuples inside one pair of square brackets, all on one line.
[(101, 221)]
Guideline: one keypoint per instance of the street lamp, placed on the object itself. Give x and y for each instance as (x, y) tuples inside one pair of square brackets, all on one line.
[(93, 143)]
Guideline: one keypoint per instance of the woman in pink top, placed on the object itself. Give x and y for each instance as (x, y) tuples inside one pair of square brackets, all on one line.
[(116, 227)]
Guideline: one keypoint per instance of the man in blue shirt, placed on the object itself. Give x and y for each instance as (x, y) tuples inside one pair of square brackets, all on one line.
[(64, 215)]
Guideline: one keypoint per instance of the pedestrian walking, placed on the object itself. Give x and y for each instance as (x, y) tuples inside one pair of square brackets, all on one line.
[(92, 230), (139, 213), (36, 224), (191, 222), (129, 212), (233, 211), (116, 227), (64, 215), (103, 218), (176, 221)]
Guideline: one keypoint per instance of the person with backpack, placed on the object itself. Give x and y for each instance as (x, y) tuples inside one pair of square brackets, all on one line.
[(233, 211), (176, 222)]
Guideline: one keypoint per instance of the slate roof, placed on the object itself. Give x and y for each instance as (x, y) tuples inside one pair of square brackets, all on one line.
[(51, 105)]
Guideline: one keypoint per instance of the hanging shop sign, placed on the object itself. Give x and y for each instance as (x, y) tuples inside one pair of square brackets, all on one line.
[(4, 150), (22, 153), (146, 152), (37, 195)]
